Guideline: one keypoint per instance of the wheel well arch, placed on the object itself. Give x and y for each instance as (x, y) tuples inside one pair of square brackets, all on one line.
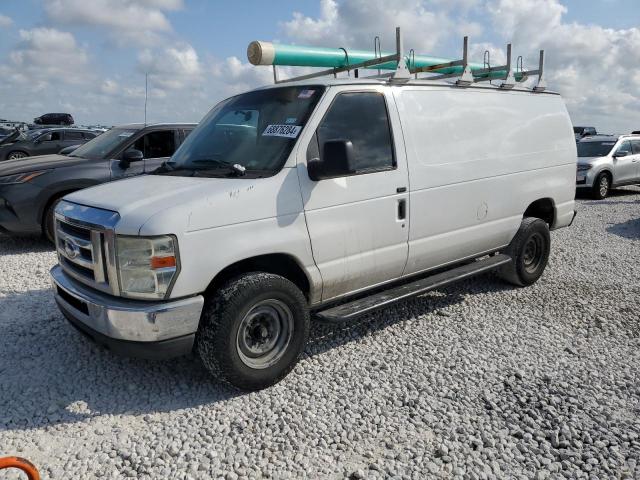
[(20, 150), (281, 264), (606, 171), (544, 209), (52, 199)]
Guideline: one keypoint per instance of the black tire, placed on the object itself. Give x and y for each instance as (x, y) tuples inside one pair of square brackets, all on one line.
[(234, 322), (601, 186), (529, 250), (48, 224), (16, 155)]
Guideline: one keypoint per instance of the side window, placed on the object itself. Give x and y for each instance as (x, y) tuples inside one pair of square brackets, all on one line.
[(89, 135), (71, 135), (624, 147), (635, 145), (362, 119), (50, 137), (157, 144)]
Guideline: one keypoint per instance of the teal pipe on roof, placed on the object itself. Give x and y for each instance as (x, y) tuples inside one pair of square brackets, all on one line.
[(267, 53)]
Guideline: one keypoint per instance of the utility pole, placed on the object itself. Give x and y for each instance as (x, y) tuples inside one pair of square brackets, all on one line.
[(146, 90)]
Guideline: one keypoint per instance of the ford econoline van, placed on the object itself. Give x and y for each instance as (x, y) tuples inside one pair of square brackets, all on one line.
[(318, 199)]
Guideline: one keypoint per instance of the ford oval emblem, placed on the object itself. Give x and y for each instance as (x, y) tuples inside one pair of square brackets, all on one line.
[(71, 249)]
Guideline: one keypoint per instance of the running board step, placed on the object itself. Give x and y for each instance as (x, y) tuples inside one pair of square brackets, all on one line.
[(347, 311)]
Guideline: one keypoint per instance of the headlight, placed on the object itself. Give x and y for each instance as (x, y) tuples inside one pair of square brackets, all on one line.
[(147, 266), (584, 167), (21, 177)]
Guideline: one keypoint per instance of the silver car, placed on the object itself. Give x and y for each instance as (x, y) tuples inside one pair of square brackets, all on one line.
[(606, 161)]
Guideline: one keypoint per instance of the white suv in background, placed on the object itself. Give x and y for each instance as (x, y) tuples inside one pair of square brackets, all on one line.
[(606, 161)]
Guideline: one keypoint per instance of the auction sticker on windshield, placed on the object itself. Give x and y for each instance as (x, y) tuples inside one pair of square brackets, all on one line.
[(287, 131)]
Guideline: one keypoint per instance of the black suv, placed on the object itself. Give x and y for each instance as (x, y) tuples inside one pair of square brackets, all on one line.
[(30, 188), (54, 119)]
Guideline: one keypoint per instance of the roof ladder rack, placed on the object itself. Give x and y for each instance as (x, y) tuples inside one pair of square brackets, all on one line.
[(466, 77), (401, 73)]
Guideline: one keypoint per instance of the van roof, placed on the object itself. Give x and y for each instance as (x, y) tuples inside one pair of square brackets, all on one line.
[(330, 81)]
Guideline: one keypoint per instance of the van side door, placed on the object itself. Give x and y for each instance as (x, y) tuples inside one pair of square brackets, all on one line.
[(357, 221)]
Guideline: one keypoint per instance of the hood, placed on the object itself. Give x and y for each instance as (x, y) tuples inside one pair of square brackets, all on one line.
[(159, 204), (32, 164), (589, 160)]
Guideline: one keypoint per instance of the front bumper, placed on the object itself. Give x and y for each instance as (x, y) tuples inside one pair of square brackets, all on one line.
[(154, 330)]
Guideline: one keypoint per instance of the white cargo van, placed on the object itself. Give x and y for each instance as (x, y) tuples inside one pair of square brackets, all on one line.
[(319, 199)]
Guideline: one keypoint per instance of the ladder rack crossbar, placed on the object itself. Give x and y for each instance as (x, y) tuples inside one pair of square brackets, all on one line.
[(333, 71)]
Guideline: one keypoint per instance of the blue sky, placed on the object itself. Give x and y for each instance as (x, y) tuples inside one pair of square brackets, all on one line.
[(90, 56)]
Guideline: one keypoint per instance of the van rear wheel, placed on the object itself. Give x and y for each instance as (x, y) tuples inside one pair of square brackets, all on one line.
[(529, 251), (253, 330)]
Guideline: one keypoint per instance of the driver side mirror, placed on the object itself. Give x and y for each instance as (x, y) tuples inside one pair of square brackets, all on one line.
[(131, 155), (624, 153), (337, 161)]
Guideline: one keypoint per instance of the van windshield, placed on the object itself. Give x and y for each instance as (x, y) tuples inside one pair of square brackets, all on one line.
[(251, 134), (595, 149)]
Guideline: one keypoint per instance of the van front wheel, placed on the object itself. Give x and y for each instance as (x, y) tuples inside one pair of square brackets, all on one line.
[(253, 330), (529, 251)]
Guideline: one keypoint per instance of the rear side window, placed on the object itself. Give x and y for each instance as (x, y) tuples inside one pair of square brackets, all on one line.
[(89, 135), (157, 144), (70, 135), (360, 117), (635, 145)]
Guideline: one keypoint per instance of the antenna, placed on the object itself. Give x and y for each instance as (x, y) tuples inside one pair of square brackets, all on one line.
[(146, 90)]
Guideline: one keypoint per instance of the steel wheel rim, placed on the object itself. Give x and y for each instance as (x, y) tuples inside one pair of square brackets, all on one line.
[(604, 186), (264, 334), (16, 155), (533, 253)]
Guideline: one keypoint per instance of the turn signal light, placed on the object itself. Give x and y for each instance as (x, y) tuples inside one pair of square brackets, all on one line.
[(163, 262)]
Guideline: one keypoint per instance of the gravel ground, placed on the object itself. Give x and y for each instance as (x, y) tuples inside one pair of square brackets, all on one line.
[(479, 380)]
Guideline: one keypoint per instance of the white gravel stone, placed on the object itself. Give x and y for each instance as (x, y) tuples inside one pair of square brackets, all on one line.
[(478, 380)]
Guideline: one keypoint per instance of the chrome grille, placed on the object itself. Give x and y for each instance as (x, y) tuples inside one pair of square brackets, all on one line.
[(85, 247)]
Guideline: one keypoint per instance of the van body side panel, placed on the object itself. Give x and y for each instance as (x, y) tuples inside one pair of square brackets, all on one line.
[(476, 160)]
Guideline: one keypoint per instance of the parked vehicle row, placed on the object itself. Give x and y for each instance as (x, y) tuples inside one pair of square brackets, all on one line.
[(31, 187)]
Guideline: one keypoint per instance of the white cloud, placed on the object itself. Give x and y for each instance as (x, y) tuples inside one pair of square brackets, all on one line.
[(173, 67), (594, 68), (47, 54), (5, 22), (357, 22), (142, 22)]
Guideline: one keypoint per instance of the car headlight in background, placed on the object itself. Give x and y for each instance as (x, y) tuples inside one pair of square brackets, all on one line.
[(21, 177), (146, 265), (584, 167)]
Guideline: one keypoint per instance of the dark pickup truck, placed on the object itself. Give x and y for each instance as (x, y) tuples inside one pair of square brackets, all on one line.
[(30, 188)]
